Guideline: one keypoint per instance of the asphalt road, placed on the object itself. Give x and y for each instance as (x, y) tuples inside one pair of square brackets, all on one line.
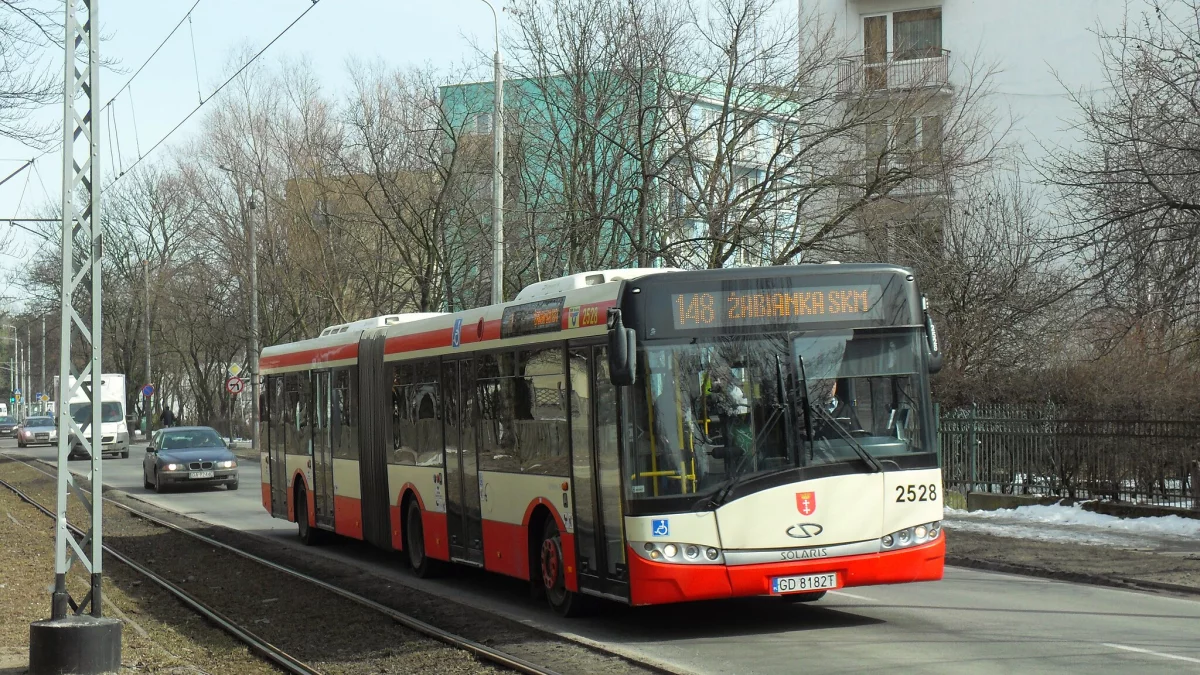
[(972, 621)]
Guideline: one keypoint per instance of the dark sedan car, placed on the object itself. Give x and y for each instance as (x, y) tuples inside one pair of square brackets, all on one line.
[(8, 426), (189, 456)]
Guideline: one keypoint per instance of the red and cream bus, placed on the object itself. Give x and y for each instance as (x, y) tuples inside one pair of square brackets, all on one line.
[(646, 435)]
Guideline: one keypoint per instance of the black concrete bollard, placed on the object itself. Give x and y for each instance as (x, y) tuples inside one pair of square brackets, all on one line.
[(79, 645)]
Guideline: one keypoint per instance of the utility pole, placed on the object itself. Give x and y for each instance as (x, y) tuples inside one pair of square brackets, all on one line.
[(71, 641), (148, 404), (244, 209), (497, 170), (42, 378)]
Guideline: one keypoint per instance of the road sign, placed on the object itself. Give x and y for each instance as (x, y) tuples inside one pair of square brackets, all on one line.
[(18, 396), (43, 398), (17, 392), (148, 390), (234, 385), (234, 369)]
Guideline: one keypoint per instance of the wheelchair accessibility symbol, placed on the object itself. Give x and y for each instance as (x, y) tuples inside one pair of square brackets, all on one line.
[(456, 336), (660, 528)]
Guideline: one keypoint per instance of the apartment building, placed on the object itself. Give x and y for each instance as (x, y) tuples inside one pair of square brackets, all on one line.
[(1019, 60)]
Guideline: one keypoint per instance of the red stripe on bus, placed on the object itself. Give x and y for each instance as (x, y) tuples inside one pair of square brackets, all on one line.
[(506, 548), (469, 332), (655, 583), (347, 516), (310, 356)]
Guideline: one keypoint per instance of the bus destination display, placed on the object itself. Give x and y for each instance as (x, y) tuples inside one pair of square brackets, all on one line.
[(740, 308), (531, 318)]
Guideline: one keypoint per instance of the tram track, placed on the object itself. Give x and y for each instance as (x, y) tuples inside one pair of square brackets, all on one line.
[(482, 652)]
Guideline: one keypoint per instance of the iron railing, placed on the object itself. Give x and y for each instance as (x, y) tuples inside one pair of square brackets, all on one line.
[(1039, 450), (860, 74)]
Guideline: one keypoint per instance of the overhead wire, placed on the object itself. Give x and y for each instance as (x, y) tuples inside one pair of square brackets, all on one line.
[(133, 112), (216, 91), (195, 62), (128, 82)]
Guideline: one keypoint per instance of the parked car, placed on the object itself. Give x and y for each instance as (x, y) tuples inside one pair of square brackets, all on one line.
[(188, 456), (8, 426), (37, 430)]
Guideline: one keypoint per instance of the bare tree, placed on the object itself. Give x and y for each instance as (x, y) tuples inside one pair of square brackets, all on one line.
[(1131, 193), (26, 81)]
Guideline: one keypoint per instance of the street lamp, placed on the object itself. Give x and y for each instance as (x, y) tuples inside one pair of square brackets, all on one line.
[(148, 404), (497, 170), (252, 245)]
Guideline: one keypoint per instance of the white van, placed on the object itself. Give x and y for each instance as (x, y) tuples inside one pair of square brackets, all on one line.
[(114, 431)]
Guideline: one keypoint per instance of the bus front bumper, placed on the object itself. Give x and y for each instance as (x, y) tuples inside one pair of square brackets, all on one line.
[(655, 583)]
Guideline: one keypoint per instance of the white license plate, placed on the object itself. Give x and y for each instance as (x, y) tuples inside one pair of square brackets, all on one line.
[(200, 474), (804, 583)]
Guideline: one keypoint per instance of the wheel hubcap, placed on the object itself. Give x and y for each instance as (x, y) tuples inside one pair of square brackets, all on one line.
[(551, 557)]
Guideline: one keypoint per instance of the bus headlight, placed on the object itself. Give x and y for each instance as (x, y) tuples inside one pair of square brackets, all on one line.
[(910, 536), (678, 552)]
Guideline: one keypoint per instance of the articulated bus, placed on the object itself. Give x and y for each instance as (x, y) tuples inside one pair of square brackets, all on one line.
[(645, 435)]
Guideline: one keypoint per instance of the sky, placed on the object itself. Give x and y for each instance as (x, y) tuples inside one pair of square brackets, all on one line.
[(440, 33)]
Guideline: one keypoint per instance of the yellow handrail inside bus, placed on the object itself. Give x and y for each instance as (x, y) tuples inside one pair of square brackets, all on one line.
[(650, 415)]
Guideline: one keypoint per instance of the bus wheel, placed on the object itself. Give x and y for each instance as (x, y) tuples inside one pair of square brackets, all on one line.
[(422, 565), (802, 597), (553, 573), (308, 534)]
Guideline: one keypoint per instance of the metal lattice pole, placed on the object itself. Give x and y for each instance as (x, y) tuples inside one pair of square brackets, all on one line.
[(72, 641), (81, 258)]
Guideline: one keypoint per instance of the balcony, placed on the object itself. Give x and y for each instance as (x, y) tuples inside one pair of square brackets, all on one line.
[(857, 76)]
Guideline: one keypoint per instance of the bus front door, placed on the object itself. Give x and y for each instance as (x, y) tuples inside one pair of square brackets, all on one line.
[(596, 475), (463, 516)]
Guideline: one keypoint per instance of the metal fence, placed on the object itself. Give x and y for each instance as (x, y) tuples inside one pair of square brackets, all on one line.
[(1039, 450)]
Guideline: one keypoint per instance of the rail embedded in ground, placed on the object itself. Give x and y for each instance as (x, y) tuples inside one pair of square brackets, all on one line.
[(481, 651), (257, 644)]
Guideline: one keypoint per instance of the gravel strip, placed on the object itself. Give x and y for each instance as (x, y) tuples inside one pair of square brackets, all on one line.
[(160, 635), (328, 632), (1178, 572), (145, 542)]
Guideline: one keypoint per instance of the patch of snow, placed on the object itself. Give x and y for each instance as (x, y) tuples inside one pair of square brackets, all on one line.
[(1059, 515)]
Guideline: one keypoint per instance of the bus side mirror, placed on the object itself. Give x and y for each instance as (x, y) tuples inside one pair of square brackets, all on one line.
[(622, 350), (936, 359)]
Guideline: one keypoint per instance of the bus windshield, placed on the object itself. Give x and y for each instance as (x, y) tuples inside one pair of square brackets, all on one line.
[(714, 410)]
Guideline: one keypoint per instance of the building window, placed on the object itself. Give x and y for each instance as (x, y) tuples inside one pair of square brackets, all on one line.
[(917, 34), (483, 123), (931, 138)]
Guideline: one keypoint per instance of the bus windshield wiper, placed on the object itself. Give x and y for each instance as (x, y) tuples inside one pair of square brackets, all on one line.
[(829, 419)]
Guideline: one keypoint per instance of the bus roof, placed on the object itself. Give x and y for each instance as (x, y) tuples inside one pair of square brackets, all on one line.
[(572, 306)]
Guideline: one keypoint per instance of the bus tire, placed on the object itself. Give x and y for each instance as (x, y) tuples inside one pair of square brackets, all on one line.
[(309, 535), (423, 567), (802, 597), (552, 574)]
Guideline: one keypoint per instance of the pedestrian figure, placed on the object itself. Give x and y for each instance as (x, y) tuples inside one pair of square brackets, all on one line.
[(167, 419)]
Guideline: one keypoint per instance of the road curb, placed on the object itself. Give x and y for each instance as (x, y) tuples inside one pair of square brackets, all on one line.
[(1077, 577)]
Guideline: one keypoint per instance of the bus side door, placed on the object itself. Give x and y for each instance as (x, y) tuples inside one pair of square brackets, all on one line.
[(596, 474)]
